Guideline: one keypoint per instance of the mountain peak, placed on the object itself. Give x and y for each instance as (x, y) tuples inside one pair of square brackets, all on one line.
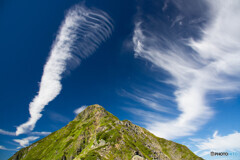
[(93, 112), (96, 134), (94, 106)]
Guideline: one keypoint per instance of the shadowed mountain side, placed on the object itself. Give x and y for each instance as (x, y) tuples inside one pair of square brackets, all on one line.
[(96, 134)]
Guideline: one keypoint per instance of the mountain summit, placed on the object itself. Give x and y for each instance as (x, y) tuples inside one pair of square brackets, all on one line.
[(96, 134)]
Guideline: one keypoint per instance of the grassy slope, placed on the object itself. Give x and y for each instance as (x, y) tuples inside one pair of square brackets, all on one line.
[(97, 134)]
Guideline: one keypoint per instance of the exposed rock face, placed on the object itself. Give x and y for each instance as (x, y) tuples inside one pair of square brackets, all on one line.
[(136, 157), (96, 134)]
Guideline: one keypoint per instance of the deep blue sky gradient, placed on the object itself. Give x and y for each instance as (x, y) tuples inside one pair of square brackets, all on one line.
[(27, 31)]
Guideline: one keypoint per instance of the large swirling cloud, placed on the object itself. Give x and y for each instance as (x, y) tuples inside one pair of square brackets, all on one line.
[(197, 66)]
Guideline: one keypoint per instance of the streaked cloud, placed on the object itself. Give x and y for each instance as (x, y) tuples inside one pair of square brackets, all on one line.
[(218, 143), (80, 34), (6, 149), (25, 141), (146, 116), (7, 133), (150, 101), (79, 110), (177, 20), (196, 66), (58, 117), (3, 148), (224, 98), (165, 6), (3, 132)]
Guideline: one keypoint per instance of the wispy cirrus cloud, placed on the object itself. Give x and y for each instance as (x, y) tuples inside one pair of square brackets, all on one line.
[(224, 98), (3, 148), (149, 100), (197, 67), (25, 141), (80, 34), (3, 132), (7, 133), (7, 149), (80, 109), (40, 133), (57, 117), (218, 143), (146, 116)]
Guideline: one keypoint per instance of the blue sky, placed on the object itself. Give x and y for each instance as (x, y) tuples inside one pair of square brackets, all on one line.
[(169, 66)]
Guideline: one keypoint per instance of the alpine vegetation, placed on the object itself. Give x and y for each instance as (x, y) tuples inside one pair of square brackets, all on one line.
[(97, 134), (80, 34)]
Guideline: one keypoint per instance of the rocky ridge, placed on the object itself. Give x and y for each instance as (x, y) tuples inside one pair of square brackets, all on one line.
[(96, 134)]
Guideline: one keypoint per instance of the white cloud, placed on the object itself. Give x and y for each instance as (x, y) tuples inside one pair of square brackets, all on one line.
[(79, 110), (150, 101), (224, 98), (146, 116), (212, 65), (6, 149), (178, 19), (25, 141), (82, 31), (7, 133), (218, 143), (2, 148), (58, 117), (3, 132), (165, 6)]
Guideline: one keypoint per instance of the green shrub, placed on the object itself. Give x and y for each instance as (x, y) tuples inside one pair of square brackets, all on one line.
[(92, 156)]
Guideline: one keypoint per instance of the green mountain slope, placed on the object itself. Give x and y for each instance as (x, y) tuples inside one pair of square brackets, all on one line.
[(96, 134)]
